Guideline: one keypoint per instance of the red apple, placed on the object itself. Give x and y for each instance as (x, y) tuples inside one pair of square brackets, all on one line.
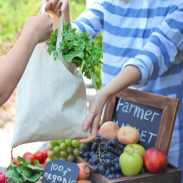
[(155, 160)]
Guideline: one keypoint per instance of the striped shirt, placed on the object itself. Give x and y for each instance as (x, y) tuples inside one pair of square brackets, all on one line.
[(149, 35)]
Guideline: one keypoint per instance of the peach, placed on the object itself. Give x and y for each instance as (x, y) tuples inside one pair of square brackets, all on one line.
[(128, 135), (155, 160), (109, 130)]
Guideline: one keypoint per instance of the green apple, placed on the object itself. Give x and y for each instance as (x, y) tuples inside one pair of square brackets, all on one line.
[(137, 148), (130, 163)]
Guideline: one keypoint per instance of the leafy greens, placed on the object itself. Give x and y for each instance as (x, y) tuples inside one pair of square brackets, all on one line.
[(77, 48), (25, 173)]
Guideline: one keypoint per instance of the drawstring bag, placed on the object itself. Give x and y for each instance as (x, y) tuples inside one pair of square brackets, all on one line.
[(51, 98)]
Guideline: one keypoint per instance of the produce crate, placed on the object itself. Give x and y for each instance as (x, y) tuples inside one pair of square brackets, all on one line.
[(162, 127), (171, 174)]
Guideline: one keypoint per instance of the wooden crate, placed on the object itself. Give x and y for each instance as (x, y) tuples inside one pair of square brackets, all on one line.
[(169, 107), (172, 174)]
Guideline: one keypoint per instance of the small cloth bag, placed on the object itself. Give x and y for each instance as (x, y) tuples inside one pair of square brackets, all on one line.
[(51, 99)]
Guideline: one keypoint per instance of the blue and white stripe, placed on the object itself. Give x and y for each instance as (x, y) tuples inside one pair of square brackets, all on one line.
[(149, 35)]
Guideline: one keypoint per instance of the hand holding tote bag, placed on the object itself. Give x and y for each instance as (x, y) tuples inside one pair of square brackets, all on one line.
[(51, 99)]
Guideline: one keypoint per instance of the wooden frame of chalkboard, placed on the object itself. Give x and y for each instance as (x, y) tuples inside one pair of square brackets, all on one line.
[(169, 107)]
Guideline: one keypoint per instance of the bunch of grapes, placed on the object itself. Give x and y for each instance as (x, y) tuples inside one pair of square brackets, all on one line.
[(103, 155), (64, 149)]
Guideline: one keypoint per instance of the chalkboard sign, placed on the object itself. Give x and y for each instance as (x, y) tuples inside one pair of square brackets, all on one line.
[(59, 171), (153, 115), (145, 119)]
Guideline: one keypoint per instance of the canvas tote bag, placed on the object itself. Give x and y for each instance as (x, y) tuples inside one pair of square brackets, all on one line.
[(51, 99)]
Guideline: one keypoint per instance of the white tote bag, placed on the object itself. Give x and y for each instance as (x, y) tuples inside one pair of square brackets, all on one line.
[(51, 99)]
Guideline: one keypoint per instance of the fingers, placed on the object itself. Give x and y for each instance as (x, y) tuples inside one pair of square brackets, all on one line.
[(88, 121), (64, 6), (54, 7), (94, 129), (55, 2), (48, 7), (57, 8)]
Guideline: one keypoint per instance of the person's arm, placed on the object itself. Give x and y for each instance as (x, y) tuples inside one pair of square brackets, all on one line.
[(128, 76), (36, 29)]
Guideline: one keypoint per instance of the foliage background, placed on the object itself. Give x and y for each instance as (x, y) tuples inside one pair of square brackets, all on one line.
[(13, 14)]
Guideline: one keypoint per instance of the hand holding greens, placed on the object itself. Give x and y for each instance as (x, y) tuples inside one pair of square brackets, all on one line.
[(77, 48)]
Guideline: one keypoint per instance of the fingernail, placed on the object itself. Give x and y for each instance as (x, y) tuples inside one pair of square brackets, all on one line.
[(85, 127)]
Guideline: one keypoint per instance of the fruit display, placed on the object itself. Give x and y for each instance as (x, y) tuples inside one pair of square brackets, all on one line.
[(115, 153), (64, 150)]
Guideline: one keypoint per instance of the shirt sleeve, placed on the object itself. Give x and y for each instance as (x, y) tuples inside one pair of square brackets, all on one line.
[(159, 52), (91, 20)]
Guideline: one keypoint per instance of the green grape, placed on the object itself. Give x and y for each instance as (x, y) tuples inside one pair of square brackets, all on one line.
[(61, 141), (54, 142), (50, 147), (70, 149), (51, 155), (63, 154), (75, 143), (76, 151), (57, 156), (63, 146), (71, 157), (68, 142), (65, 159), (56, 150), (81, 146), (47, 160)]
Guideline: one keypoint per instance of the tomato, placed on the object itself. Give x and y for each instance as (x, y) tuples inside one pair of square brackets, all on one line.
[(31, 157), (46, 150), (15, 162), (27, 153), (42, 165), (40, 156)]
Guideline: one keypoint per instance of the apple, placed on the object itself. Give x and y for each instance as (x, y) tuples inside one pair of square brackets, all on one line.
[(137, 148), (130, 163), (155, 160)]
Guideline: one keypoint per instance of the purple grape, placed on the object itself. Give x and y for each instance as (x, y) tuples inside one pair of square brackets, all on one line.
[(86, 148), (117, 176), (95, 169), (90, 161), (116, 160), (89, 144), (110, 176), (92, 153), (117, 167), (102, 169), (87, 154), (86, 159), (113, 143), (82, 153)]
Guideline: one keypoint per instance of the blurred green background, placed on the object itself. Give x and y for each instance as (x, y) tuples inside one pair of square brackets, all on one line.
[(13, 14)]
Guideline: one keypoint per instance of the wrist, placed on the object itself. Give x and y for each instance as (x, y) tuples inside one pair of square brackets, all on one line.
[(104, 94), (30, 37)]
